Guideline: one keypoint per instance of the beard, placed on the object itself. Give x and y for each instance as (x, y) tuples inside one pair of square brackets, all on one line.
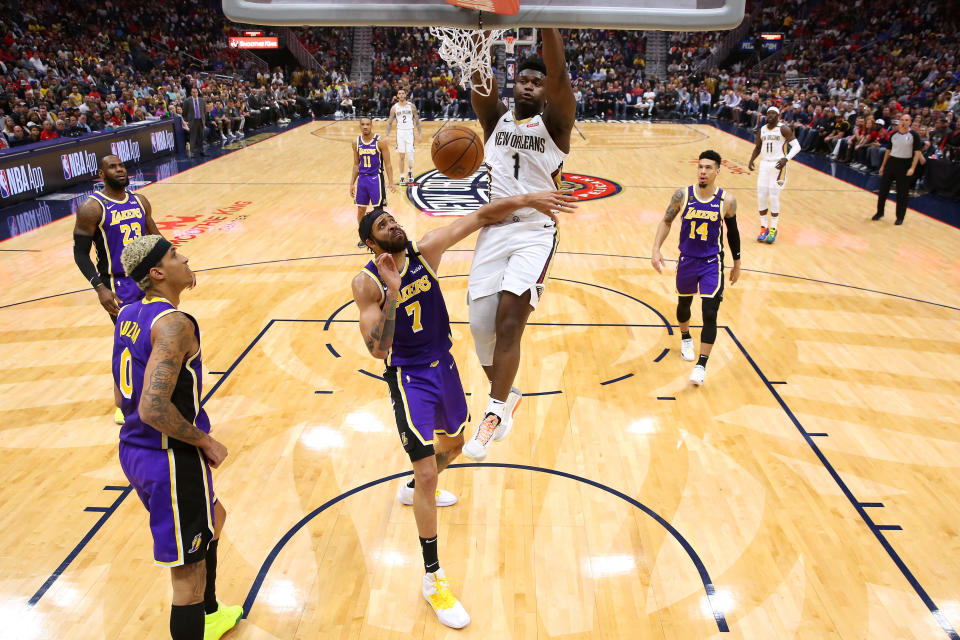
[(394, 245), (116, 185)]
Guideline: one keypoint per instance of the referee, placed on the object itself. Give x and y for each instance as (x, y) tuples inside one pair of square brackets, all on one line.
[(905, 146)]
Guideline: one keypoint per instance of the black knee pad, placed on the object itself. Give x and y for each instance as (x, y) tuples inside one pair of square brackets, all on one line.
[(710, 308), (683, 308)]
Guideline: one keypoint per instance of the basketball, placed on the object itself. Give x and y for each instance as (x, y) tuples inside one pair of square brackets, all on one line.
[(457, 152)]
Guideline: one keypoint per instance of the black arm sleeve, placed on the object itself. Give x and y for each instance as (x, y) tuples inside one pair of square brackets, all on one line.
[(733, 236), (81, 255)]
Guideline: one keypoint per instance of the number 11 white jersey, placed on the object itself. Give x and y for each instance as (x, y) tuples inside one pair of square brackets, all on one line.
[(772, 144), (521, 157)]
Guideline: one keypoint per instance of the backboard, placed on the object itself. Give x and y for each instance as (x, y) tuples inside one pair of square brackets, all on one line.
[(670, 15)]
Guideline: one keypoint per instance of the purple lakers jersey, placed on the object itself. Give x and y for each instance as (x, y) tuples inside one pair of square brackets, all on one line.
[(370, 164), (422, 332), (131, 351), (701, 227), (122, 222)]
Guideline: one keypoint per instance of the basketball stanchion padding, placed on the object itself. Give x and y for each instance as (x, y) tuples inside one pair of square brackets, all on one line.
[(502, 7)]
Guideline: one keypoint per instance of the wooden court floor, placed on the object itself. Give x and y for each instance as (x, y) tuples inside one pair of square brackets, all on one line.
[(808, 490)]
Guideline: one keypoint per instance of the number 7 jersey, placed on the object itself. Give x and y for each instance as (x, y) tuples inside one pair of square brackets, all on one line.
[(521, 157), (422, 332)]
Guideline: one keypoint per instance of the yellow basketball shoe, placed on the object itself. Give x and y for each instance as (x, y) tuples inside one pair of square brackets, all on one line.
[(220, 621), (436, 589)]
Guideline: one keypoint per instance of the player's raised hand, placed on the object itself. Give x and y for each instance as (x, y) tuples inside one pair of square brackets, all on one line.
[(387, 269), (657, 261)]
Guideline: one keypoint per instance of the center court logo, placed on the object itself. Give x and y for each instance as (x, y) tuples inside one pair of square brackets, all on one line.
[(437, 195)]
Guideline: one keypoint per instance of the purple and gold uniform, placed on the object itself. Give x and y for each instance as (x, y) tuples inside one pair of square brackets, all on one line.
[(122, 221), (171, 477), (700, 268), (424, 381), (371, 188)]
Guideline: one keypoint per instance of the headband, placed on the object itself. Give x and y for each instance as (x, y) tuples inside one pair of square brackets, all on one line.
[(773, 109), (151, 260), (367, 222)]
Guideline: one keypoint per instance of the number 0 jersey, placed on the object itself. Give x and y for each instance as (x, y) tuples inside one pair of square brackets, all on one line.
[(422, 331), (131, 351), (701, 226), (521, 157)]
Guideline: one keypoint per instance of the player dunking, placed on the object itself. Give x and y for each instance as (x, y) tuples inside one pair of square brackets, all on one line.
[(406, 116), (700, 268), (524, 151), (776, 145), (370, 158), (428, 399), (166, 449), (109, 220)]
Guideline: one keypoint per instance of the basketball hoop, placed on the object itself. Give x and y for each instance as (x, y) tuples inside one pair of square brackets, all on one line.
[(469, 51)]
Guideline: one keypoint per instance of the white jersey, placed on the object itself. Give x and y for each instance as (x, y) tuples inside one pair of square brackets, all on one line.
[(404, 114), (773, 145), (521, 157)]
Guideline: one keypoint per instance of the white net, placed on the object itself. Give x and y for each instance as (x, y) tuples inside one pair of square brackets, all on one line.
[(469, 51)]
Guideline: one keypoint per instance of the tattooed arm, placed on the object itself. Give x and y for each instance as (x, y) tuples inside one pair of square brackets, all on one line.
[(173, 341), (663, 229), (377, 322)]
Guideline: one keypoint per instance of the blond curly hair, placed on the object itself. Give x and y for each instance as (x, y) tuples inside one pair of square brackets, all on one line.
[(134, 253)]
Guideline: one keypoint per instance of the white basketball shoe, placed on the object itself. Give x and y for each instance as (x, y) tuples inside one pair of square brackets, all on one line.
[(436, 590), (686, 349), (698, 374), (510, 408)]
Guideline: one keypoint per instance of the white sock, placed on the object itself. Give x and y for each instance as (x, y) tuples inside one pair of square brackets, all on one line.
[(773, 221), (763, 221), (495, 407)]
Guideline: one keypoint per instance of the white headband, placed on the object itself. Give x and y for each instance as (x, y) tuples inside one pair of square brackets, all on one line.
[(773, 109)]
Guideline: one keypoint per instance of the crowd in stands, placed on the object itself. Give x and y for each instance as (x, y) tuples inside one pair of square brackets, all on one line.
[(846, 73)]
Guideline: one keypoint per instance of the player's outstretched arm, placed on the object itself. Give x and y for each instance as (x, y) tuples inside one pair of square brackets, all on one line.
[(439, 240), (663, 229), (88, 217), (488, 108), (561, 109), (733, 233), (377, 322), (173, 339)]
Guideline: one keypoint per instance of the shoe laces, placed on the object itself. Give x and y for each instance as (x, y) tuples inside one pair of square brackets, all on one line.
[(442, 598), (487, 429)]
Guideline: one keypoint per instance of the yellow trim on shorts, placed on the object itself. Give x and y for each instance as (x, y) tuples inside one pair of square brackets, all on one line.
[(406, 407), (719, 280), (206, 492), (172, 465)]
